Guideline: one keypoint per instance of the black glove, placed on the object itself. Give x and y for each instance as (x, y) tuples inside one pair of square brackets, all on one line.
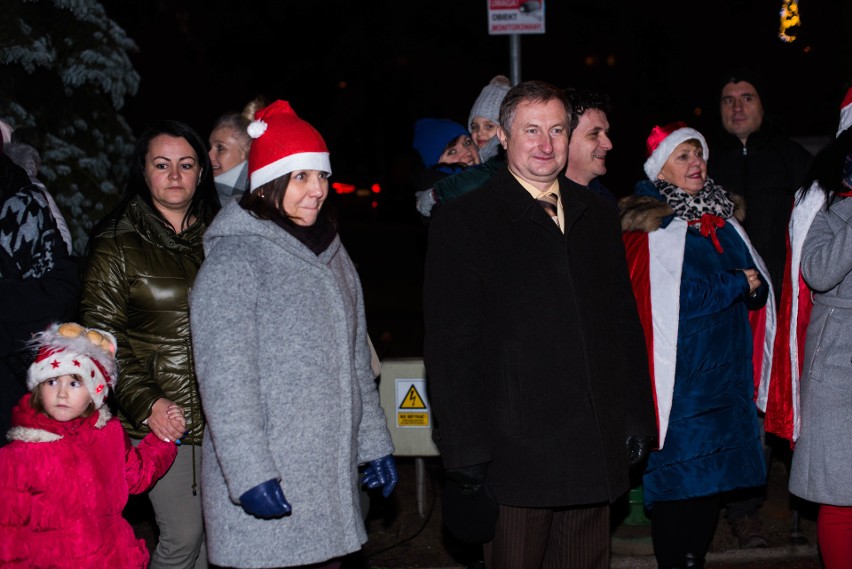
[(469, 508), (638, 448), (266, 500), (470, 478)]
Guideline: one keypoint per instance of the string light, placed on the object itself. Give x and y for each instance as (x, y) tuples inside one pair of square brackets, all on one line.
[(790, 20)]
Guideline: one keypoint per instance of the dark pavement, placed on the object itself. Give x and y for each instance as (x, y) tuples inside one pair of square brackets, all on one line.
[(395, 542)]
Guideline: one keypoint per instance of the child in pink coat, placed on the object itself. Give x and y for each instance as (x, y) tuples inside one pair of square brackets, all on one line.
[(67, 472)]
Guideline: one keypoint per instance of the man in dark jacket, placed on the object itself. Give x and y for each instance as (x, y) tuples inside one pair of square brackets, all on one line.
[(534, 353), (38, 279), (754, 159), (589, 142)]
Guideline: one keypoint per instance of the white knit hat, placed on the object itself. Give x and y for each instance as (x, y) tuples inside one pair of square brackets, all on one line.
[(663, 140), (488, 102), (283, 143), (71, 349), (845, 113)]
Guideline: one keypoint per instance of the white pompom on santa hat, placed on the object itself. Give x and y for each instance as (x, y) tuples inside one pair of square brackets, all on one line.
[(663, 140), (283, 143), (845, 113), (71, 349)]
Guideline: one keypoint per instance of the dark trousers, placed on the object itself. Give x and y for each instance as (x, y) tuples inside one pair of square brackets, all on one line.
[(679, 527), (550, 538)]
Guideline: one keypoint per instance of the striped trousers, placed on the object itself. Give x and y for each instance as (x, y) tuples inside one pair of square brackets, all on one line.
[(550, 538)]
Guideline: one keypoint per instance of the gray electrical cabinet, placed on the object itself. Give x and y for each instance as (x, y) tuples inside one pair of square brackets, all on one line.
[(402, 391)]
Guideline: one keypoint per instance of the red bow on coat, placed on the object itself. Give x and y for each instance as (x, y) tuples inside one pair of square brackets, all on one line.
[(707, 225)]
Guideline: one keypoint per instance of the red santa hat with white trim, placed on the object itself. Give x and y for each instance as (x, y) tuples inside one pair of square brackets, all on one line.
[(71, 349), (845, 113), (283, 143), (663, 140)]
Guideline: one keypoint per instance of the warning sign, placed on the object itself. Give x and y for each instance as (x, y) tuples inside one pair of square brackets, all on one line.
[(515, 17), (411, 403), (412, 400)]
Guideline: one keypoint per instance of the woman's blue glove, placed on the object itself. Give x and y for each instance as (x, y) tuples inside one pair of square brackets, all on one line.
[(381, 472), (266, 501)]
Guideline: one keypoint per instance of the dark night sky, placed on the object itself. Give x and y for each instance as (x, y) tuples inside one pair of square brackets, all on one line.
[(402, 59), (362, 72)]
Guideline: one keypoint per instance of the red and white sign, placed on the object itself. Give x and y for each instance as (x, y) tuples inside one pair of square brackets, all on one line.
[(515, 17)]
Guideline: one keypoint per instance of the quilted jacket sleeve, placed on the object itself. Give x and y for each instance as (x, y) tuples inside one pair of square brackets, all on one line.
[(104, 305)]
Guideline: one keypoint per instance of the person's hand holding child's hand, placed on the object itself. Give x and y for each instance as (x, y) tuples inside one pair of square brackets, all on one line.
[(167, 421)]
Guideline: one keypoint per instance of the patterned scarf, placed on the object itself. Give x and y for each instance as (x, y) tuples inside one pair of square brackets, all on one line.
[(29, 237), (708, 209)]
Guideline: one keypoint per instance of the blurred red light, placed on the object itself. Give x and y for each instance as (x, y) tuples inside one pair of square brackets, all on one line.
[(342, 188), (377, 189)]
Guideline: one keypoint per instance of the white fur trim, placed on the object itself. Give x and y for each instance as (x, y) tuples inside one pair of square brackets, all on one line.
[(301, 161), (30, 435), (103, 417), (256, 128), (665, 260), (800, 222), (845, 119), (657, 160)]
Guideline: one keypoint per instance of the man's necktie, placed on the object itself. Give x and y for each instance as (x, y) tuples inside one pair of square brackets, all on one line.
[(548, 204)]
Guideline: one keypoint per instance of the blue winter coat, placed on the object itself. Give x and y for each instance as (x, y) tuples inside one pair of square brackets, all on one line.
[(713, 440)]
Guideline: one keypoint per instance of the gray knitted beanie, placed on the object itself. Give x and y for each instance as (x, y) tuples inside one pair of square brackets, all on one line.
[(487, 104)]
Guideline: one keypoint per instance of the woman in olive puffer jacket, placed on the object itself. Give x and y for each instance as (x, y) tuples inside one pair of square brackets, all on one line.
[(139, 270)]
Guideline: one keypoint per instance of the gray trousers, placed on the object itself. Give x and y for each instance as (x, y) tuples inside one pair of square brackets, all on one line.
[(178, 515)]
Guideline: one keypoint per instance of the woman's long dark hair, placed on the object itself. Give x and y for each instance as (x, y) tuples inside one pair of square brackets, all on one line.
[(827, 168), (205, 201)]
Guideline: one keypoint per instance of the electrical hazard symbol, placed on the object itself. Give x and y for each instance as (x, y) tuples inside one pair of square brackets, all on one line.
[(411, 403), (412, 400)]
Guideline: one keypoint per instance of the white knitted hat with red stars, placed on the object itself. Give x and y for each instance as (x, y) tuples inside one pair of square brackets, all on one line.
[(71, 349), (283, 143), (845, 112)]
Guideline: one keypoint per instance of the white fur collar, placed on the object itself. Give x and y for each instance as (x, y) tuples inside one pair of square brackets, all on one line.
[(32, 435)]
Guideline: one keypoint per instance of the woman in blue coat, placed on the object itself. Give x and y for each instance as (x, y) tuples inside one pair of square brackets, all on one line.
[(695, 276)]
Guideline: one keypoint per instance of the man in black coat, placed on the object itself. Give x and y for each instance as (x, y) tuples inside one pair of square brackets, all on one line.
[(535, 358), (755, 159)]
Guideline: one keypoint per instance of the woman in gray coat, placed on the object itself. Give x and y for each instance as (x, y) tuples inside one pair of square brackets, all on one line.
[(284, 370), (821, 471)]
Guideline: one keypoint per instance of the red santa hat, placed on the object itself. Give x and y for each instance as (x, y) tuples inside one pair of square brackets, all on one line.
[(845, 112), (71, 349), (283, 143), (663, 140)]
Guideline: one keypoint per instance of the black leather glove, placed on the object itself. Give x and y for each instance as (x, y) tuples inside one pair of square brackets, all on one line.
[(638, 448), (470, 478), (469, 508), (266, 500)]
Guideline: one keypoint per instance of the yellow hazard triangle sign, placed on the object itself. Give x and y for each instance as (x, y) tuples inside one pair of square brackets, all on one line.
[(412, 400)]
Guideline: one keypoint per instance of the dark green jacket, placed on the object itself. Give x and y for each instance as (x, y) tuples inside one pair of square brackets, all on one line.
[(136, 283)]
